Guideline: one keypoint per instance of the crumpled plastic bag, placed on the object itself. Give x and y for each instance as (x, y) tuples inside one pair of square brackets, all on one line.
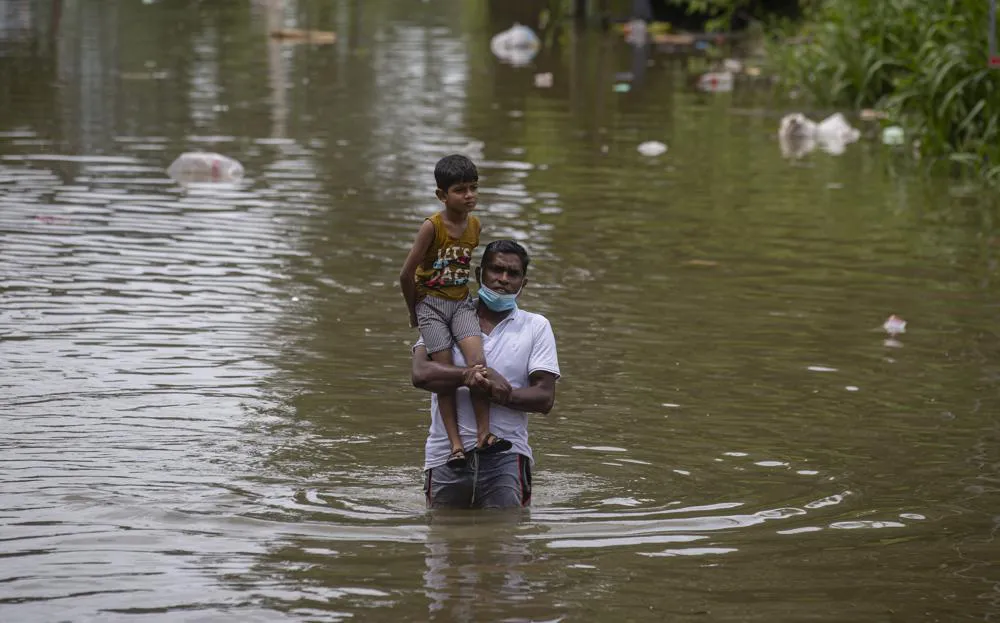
[(798, 135), (517, 45), (205, 166)]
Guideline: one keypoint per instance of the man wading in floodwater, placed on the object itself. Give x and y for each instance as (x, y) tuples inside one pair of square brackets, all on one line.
[(521, 378)]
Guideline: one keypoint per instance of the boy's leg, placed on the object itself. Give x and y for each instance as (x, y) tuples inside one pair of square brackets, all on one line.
[(472, 350), (435, 329), (448, 407), (468, 335)]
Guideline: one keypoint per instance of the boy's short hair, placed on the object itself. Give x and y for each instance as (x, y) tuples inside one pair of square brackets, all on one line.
[(454, 169), (506, 246)]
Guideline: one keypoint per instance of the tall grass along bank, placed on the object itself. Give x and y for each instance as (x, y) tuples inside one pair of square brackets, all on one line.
[(923, 62)]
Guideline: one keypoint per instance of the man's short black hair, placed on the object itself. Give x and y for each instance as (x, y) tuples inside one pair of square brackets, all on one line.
[(454, 169), (506, 246)]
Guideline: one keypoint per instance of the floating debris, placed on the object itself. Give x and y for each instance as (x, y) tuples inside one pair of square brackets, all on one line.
[(204, 166), (798, 135), (733, 65), (635, 33), (834, 134), (870, 114), (652, 148), (517, 45), (716, 82), (622, 87), (295, 35), (893, 136), (894, 325), (543, 81)]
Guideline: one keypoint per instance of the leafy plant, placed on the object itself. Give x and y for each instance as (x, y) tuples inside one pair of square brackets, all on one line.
[(924, 62)]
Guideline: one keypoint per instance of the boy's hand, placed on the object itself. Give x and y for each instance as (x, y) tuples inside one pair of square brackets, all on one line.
[(475, 377), (413, 321)]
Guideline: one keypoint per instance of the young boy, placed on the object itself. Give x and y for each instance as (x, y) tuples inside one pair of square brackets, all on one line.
[(435, 284)]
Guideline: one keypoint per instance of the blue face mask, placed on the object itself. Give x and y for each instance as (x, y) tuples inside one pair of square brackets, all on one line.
[(497, 301)]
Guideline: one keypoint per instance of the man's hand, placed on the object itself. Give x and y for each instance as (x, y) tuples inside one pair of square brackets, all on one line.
[(499, 388), (475, 378)]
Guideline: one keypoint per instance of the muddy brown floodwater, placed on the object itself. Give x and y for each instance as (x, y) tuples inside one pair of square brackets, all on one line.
[(205, 409)]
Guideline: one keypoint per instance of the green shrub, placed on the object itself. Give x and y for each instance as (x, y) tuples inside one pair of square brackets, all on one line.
[(924, 62)]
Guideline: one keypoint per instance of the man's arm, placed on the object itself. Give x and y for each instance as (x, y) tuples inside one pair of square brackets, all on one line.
[(538, 397), (438, 377)]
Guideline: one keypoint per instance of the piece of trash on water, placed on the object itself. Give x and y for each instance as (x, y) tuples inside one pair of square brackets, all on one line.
[(544, 80), (517, 45), (732, 65), (852, 388), (716, 82), (652, 148), (622, 87), (870, 114), (205, 166), (834, 134), (894, 325), (821, 369), (635, 33), (893, 135), (295, 35), (796, 135), (676, 39)]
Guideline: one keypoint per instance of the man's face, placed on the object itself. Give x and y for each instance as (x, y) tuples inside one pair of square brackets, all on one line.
[(503, 272)]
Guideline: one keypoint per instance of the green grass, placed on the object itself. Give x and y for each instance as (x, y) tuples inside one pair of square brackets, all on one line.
[(924, 62)]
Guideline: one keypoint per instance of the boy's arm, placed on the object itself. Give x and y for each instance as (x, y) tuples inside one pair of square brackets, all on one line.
[(406, 283)]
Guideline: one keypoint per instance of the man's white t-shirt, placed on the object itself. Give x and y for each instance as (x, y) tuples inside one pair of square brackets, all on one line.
[(520, 344)]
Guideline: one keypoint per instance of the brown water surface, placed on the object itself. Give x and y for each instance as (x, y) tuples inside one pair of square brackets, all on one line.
[(205, 411)]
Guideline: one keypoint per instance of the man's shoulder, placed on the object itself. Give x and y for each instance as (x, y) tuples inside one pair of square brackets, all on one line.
[(531, 319)]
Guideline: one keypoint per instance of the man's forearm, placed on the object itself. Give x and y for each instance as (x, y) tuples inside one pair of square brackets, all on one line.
[(534, 398), (439, 377)]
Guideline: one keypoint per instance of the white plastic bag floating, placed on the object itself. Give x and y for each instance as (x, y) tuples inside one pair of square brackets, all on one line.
[(796, 135), (652, 148), (834, 134), (204, 166), (517, 45), (544, 80)]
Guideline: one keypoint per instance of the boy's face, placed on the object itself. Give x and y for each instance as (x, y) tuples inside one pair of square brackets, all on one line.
[(460, 197)]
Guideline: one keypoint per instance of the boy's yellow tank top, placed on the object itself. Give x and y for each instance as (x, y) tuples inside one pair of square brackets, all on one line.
[(447, 265)]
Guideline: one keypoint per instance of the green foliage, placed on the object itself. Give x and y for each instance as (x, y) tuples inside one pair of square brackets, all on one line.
[(721, 11), (924, 62)]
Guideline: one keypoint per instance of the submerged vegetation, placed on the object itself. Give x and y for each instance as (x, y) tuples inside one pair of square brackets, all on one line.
[(923, 63)]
